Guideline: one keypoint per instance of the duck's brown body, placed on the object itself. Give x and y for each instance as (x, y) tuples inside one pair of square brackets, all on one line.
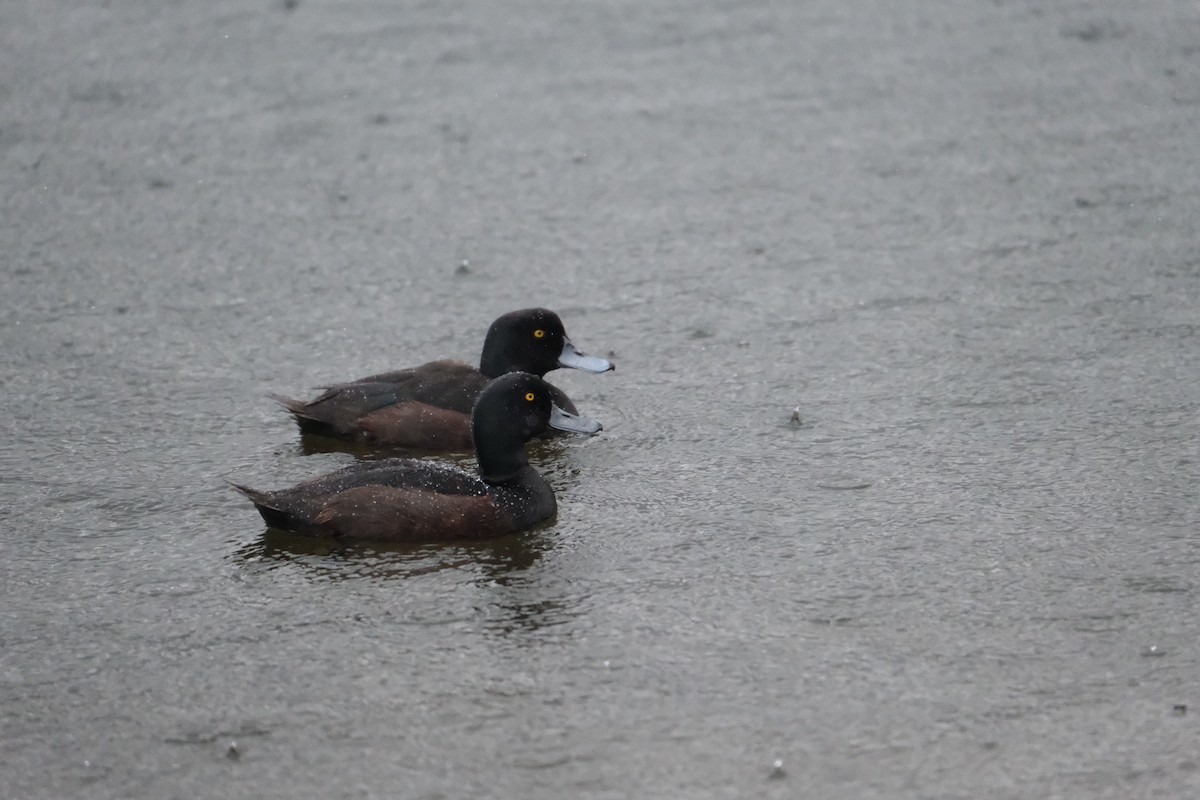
[(388, 501)]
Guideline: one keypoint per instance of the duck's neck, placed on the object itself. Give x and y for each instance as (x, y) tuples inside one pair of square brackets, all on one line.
[(490, 363), (499, 464)]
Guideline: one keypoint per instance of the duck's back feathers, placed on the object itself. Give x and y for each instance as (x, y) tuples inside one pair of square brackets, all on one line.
[(425, 407), (447, 384)]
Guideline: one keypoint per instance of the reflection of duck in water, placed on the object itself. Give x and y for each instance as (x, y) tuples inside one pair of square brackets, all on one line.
[(409, 500), (429, 407), (487, 562)]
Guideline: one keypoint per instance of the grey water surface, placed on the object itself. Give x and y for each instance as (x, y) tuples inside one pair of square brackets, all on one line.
[(897, 493)]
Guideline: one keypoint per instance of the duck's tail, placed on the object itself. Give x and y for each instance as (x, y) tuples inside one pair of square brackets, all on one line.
[(259, 498), (294, 407), (302, 412), (283, 510), (270, 510)]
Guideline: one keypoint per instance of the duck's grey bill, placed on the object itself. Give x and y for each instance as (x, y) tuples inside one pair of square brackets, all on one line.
[(566, 421), (570, 357)]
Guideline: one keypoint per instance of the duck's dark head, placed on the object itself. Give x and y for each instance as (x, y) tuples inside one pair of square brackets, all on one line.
[(533, 340), (510, 411)]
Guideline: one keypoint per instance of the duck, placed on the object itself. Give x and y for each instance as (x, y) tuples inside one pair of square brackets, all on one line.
[(419, 500), (428, 407)]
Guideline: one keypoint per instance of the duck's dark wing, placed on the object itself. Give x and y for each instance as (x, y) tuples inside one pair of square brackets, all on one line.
[(300, 507), (374, 407), (451, 385)]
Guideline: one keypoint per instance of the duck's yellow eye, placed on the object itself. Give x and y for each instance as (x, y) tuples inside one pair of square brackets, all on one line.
[(539, 334), (530, 396)]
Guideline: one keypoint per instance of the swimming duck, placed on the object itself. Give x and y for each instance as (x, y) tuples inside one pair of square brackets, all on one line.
[(404, 500), (429, 407)]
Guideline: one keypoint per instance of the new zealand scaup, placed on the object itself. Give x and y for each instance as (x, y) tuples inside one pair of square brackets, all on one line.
[(403, 499), (429, 407)]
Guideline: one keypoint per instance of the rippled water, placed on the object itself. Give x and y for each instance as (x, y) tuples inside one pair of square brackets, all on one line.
[(897, 490)]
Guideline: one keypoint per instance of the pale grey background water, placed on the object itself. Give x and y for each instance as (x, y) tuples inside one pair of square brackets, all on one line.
[(959, 237)]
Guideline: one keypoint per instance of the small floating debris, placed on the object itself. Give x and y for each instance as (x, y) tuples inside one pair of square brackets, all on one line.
[(1179, 709), (844, 482)]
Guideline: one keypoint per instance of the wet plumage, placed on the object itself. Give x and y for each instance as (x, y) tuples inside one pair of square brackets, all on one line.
[(428, 407), (411, 500)]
